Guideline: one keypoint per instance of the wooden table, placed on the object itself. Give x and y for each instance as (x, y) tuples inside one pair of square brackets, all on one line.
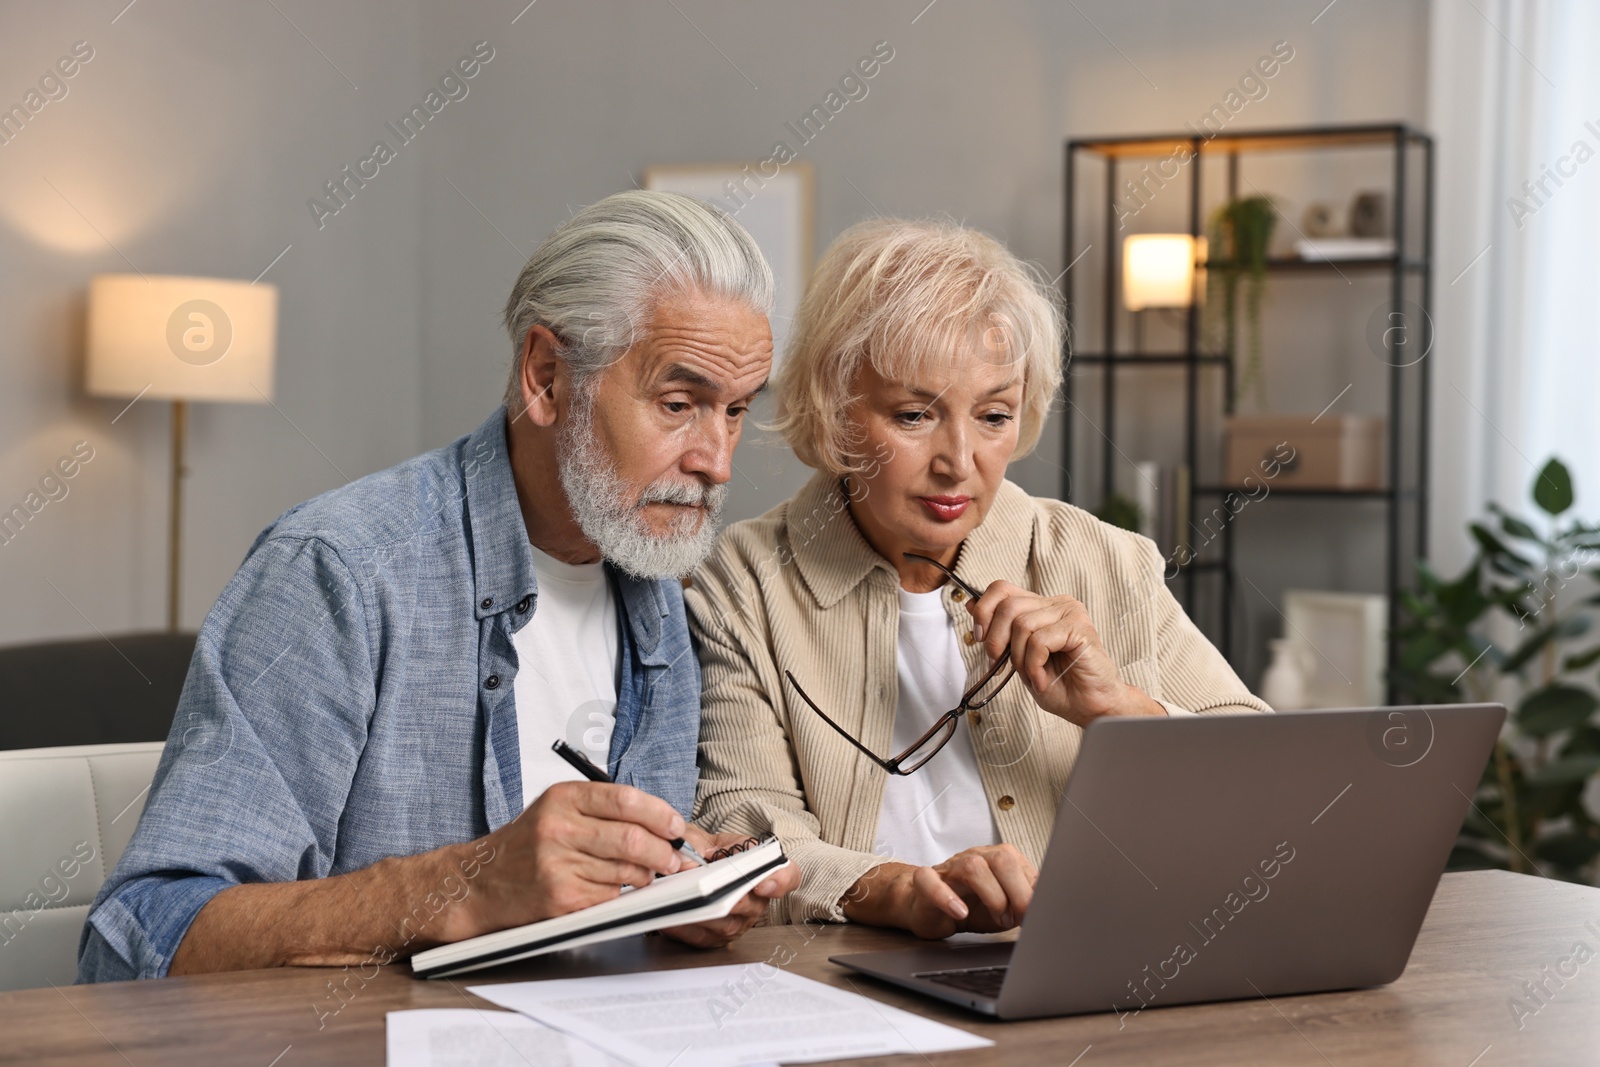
[(1485, 934)]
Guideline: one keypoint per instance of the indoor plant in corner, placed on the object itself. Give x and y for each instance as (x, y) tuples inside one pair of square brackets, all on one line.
[(1511, 627)]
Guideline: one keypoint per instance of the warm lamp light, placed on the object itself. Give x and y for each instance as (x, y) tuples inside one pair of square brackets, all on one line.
[(1158, 271), (180, 339)]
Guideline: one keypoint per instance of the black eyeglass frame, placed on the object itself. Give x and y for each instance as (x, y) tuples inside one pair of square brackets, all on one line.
[(946, 722)]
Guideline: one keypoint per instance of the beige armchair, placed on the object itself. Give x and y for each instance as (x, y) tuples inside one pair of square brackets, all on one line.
[(66, 815)]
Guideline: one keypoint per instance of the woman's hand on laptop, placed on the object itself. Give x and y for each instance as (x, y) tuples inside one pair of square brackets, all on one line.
[(1057, 653), (714, 933), (979, 890)]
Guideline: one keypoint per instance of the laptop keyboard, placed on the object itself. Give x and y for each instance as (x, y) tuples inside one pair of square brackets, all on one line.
[(984, 981)]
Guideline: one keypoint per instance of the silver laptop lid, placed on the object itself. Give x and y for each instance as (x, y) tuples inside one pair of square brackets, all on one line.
[(1223, 857)]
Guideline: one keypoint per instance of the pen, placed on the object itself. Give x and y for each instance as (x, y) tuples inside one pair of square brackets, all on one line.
[(581, 764)]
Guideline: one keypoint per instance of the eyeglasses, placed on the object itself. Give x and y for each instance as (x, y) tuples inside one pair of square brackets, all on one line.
[(939, 734)]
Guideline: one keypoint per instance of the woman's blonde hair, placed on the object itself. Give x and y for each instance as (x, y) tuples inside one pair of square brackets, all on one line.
[(908, 295)]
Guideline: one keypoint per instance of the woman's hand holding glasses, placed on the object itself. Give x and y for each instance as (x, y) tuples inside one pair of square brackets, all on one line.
[(1057, 653)]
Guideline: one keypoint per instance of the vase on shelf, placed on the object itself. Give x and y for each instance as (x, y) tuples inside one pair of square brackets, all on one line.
[(1283, 685)]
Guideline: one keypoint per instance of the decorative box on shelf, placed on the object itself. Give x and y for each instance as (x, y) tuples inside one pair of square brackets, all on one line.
[(1340, 452)]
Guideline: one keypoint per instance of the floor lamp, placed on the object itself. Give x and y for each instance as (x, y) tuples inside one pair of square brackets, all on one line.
[(180, 339)]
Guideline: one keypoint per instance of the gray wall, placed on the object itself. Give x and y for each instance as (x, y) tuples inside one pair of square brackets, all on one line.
[(189, 145), (197, 133)]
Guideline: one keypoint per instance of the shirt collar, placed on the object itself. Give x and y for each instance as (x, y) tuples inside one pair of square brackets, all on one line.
[(833, 557), (502, 558)]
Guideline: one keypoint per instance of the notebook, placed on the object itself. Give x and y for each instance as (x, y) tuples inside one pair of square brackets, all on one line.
[(690, 896)]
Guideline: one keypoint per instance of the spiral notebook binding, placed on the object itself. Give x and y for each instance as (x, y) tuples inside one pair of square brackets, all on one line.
[(742, 846)]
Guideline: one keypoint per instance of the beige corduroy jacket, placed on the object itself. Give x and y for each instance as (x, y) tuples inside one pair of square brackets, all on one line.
[(799, 589)]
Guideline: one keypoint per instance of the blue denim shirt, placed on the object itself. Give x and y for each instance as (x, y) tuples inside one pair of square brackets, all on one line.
[(351, 698)]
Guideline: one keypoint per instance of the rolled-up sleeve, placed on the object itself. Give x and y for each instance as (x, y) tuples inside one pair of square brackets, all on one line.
[(259, 762)]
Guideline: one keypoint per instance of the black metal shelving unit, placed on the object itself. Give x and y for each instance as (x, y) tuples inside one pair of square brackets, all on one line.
[(1404, 499)]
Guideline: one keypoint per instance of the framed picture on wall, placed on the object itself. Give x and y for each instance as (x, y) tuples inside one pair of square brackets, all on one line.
[(1343, 635), (777, 210)]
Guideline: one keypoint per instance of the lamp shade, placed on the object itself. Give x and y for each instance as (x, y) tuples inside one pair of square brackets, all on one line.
[(181, 338), (1158, 271)]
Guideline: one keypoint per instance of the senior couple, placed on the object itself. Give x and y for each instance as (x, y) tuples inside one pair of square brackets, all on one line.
[(891, 671)]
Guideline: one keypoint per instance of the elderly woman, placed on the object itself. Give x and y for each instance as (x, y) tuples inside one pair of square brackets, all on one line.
[(857, 641)]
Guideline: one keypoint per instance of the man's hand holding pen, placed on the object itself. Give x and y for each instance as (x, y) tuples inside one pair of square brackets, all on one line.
[(578, 845)]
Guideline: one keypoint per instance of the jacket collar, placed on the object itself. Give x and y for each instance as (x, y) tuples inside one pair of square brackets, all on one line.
[(502, 562), (833, 558)]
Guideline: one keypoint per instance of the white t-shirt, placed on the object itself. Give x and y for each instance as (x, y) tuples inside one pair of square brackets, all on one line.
[(568, 671), (929, 816)]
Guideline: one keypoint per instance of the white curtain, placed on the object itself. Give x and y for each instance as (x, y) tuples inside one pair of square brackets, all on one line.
[(1514, 104)]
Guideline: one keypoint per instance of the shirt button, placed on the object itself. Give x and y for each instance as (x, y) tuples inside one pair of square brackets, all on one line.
[(1005, 803), (493, 682), (524, 604), (487, 603)]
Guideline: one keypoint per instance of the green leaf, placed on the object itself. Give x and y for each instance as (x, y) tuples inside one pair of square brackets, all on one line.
[(1419, 652), (1586, 740), (1568, 849), (1515, 526), (1501, 557), (1555, 708), (1119, 510), (1566, 770), (1552, 490), (1535, 643), (1573, 626), (1531, 646), (1581, 660)]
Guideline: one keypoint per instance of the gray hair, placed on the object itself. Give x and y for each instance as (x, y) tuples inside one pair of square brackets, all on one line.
[(595, 281)]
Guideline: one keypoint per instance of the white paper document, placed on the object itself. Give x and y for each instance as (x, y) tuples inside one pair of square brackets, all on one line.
[(468, 1037), (724, 1017)]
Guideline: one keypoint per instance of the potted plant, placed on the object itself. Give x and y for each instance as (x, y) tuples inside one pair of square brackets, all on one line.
[(1239, 233), (1512, 626)]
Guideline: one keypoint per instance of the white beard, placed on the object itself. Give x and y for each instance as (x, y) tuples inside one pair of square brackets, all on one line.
[(616, 524)]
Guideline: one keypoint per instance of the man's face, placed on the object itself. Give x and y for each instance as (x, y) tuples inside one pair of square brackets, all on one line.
[(644, 459)]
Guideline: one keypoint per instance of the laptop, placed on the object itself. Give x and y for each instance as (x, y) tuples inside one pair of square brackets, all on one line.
[(1223, 857)]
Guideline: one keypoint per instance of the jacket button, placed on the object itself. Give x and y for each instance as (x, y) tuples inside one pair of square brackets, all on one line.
[(493, 682), (977, 718), (958, 596), (1005, 803), (524, 604), (486, 603), (970, 637)]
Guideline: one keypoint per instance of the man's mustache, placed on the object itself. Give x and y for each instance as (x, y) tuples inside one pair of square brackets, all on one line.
[(691, 494)]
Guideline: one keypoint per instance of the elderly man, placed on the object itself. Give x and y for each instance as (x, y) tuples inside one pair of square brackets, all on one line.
[(360, 763)]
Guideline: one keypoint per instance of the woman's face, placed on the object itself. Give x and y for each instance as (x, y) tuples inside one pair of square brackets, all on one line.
[(937, 451)]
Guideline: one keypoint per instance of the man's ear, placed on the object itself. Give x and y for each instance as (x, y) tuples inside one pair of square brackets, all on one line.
[(544, 376)]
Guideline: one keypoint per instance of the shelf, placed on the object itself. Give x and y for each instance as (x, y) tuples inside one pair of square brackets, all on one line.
[(1153, 359), (1349, 494), (1278, 140), (1294, 264), (1212, 162)]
